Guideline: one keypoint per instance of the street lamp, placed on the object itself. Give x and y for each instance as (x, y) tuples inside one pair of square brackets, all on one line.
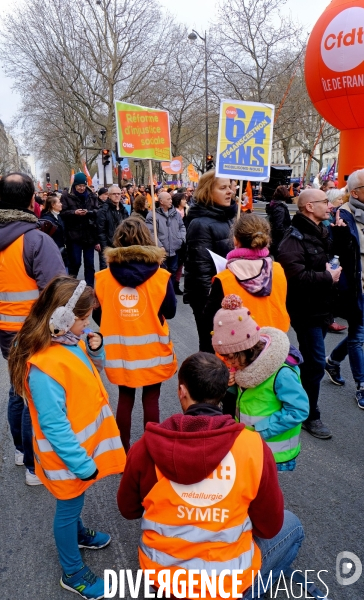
[(193, 37)]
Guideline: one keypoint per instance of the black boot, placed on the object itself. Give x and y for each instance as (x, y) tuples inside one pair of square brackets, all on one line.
[(177, 289)]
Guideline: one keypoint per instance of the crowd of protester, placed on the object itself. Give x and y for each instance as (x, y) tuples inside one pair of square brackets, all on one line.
[(244, 396)]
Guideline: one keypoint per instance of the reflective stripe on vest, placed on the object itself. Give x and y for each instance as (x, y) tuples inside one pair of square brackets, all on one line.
[(197, 534), (12, 319), (136, 340), (18, 291), (284, 444), (249, 420), (90, 417), (242, 562), (139, 350), (132, 365), (63, 474), (82, 436), (19, 296)]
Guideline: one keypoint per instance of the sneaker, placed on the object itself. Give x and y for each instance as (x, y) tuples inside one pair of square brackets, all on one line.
[(93, 540), (359, 396), (317, 429), (336, 328), (19, 458), (333, 371), (85, 583), (31, 478)]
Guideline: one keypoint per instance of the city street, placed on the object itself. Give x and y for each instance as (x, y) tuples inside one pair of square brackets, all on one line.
[(326, 491)]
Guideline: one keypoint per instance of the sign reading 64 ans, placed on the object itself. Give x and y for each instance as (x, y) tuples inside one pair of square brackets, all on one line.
[(245, 140)]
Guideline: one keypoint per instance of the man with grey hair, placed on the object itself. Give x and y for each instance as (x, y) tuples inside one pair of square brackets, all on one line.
[(304, 255), (108, 218), (350, 249), (171, 231)]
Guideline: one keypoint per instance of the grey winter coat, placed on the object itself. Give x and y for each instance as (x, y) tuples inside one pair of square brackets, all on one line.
[(171, 231)]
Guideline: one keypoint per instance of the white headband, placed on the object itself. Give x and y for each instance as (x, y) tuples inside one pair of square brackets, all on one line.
[(63, 317)]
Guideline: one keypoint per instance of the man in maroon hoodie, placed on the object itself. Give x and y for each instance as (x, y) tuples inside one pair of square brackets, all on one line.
[(207, 490)]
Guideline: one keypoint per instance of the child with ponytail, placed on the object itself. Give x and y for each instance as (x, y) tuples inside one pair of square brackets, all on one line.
[(75, 436)]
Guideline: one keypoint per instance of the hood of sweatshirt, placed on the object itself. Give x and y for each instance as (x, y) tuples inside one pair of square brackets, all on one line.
[(13, 224), (134, 265), (188, 448)]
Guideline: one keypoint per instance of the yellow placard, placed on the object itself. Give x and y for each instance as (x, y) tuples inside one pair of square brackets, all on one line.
[(245, 140)]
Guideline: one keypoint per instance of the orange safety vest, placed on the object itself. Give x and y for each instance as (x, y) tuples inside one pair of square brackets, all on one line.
[(138, 347), (267, 311), (206, 526), (91, 419), (18, 291)]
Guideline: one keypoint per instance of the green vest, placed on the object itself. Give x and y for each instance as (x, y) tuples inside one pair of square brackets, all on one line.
[(255, 404)]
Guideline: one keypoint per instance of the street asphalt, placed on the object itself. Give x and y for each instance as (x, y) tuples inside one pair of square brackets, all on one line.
[(326, 491)]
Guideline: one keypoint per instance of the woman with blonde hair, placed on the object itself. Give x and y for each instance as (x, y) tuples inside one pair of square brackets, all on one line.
[(136, 297), (75, 437), (208, 224), (253, 275)]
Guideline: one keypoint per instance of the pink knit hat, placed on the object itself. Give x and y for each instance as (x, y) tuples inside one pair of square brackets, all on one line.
[(234, 329)]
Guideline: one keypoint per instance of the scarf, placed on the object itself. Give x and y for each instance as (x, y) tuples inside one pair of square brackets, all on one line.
[(68, 339), (256, 279), (248, 253), (357, 210)]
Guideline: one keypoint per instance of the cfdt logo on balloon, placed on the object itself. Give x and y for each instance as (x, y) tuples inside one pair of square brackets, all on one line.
[(342, 46)]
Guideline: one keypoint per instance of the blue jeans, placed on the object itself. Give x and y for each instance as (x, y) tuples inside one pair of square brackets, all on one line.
[(278, 553), (75, 259), (352, 345), (311, 342), (21, 428), (67, 525)]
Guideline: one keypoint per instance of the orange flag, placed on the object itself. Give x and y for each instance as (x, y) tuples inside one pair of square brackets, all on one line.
[(248, 197), (72, 176), (291, 192), (85, 170)]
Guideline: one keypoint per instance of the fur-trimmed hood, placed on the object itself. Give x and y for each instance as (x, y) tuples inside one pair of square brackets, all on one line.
[(13, 224), (146, 254), (134, 265), (268, 361)]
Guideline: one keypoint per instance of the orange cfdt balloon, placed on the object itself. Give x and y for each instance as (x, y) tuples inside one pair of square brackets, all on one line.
[(334, 72)]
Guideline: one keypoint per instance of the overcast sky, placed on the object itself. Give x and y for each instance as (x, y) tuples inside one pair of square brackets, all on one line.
[(195, 13)]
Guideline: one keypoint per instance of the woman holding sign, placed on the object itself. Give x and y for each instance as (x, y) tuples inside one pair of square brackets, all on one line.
[(208, 222)]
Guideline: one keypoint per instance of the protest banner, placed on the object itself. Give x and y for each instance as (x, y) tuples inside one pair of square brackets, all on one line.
[(142, 133), (175, 166), (245, 140)]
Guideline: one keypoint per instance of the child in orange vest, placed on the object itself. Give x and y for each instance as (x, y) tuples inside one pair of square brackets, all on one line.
[(75, 436)]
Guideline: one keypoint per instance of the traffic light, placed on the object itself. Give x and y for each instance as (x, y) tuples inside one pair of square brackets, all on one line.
[(48, 177), (105, 157), (209, 162)]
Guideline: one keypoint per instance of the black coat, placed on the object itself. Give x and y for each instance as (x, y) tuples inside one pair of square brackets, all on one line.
[(280, 221), (303, 254), (108, 219), (59, 235), (208, 228), (80, 229)]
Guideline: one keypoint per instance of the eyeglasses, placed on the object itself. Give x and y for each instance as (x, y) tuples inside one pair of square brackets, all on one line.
[(81, 185), (316, 201), (115, 194), (358, 188)]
